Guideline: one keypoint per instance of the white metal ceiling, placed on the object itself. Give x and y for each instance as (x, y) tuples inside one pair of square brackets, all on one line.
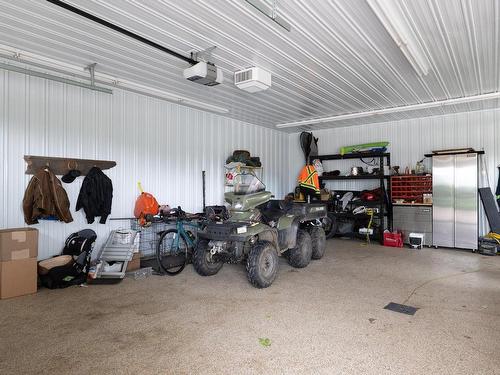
[(337, 59)]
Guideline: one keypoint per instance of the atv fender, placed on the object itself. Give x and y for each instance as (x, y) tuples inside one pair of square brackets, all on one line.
[(287, 233), (270, 235)]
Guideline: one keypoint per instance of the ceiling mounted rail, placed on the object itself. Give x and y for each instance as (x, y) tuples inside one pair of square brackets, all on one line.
[(52, 77), (63, 70), (271, 11), (121, 30)]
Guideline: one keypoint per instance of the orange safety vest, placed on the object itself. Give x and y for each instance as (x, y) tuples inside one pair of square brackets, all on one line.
[(308, 178)]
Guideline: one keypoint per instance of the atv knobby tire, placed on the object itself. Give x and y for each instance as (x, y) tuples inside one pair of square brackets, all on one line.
[(318, 239), (262, 264), (300, 255), (201, 262)]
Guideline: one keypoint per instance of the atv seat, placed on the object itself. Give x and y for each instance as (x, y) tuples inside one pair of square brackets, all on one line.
[(272, 211), (271, 215)]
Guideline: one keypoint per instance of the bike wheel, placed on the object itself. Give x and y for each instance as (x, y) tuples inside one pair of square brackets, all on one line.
[(171, 252)]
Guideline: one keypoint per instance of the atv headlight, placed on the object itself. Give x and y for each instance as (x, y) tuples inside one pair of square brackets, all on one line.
[(238, 206)]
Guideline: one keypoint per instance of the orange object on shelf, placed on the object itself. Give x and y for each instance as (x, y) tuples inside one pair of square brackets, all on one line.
[(410, 187)]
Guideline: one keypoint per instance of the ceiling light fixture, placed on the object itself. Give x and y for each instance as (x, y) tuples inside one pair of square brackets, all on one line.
[(394, 21), (75, 71), (385, 111), (160, 94)]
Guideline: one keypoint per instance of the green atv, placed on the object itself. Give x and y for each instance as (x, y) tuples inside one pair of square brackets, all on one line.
[(258, 230)]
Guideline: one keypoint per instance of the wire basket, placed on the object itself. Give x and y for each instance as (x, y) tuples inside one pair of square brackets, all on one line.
[(149, 236)]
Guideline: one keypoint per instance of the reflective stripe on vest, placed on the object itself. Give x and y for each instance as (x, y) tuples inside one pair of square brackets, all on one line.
[(309, 181)]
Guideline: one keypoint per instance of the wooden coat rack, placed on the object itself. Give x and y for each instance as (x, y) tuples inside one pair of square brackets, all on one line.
[(61, 166)]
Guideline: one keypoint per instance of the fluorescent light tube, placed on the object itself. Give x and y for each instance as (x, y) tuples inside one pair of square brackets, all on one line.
[(160, 94), (393, 20), (385, 111)]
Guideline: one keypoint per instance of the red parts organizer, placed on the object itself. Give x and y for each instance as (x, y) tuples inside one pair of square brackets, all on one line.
[(410, 187)]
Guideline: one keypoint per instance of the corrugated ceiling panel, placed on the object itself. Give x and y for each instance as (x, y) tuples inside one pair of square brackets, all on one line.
[(409, 141), (320, 68), (165, 146)]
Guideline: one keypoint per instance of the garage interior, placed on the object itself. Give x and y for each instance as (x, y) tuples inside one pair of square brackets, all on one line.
[(249, 187)]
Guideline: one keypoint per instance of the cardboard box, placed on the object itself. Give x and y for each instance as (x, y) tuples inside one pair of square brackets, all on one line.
[(18, 243), (18, 278), (135, 263), (427, 198)]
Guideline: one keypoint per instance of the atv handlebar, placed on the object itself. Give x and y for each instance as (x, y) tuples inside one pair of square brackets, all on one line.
[(180, 214)]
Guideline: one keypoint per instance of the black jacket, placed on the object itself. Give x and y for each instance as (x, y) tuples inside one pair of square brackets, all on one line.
[(96, 196)]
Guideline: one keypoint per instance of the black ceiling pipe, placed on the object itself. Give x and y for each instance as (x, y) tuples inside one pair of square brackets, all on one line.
[(121, 30)]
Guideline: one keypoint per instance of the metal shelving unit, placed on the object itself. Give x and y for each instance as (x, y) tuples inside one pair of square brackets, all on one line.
[(383, 204)]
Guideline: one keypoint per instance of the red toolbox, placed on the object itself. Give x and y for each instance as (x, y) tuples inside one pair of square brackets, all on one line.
[(394, 239)]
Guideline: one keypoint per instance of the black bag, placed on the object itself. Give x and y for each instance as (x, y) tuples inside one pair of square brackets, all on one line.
[(79, 245), (309, 146), (62, 277)]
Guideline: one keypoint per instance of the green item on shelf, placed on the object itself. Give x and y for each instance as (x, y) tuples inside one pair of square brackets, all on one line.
[(362, 147)]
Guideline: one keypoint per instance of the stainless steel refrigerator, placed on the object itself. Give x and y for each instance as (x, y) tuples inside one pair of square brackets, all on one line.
[(455, 200)]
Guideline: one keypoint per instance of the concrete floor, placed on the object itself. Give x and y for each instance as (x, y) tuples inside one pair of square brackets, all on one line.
[(325, 319)]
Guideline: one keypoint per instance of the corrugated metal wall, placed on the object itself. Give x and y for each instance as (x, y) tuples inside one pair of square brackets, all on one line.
[(163, 145), (409, 141)]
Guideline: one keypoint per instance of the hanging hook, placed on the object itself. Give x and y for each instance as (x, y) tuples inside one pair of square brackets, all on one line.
[(72, 164)]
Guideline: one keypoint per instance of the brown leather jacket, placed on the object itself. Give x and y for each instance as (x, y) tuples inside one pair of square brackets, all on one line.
[(45, 197)]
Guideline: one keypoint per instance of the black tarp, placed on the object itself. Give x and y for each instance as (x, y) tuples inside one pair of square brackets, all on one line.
[(490, 209)]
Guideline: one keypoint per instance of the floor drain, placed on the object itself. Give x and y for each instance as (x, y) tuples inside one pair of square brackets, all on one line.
[(403, 309)]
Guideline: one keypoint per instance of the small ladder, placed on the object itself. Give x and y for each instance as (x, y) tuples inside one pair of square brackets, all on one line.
[(119, 247)]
